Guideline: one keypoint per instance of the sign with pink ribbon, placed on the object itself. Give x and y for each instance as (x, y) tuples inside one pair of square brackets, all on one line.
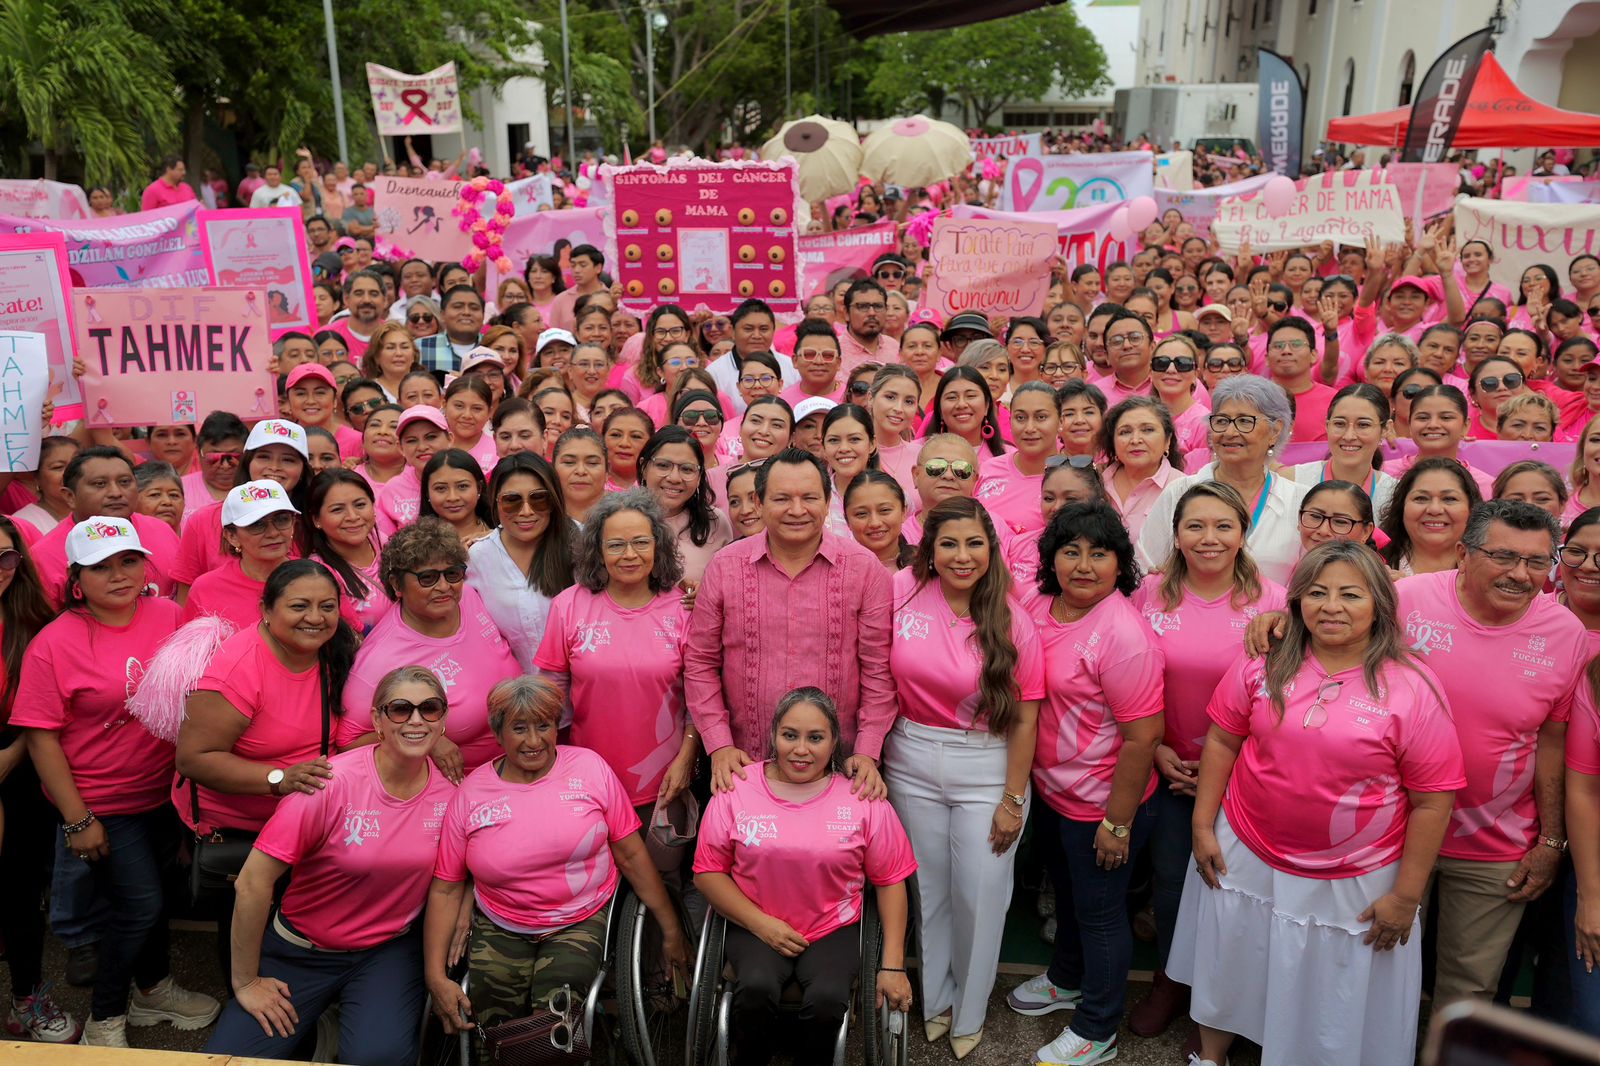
[(992, 266), (415, 214), (846, 255), (35, 296), (1083, 179), (171, 357), (263, 248), (415, 103), (544, 234), (146, 249), (42, 199)]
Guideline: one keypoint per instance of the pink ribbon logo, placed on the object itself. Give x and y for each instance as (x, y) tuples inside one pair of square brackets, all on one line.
[(415, 99)]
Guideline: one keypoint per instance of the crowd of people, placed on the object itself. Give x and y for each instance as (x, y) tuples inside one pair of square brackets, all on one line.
[(523, 592)]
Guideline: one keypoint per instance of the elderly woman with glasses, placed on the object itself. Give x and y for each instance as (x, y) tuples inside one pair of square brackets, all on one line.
[(439, 623), (1250, 423)]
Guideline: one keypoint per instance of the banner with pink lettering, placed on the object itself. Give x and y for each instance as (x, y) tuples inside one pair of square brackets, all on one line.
[(171, 357), (845, 255), (42, 199), (1346, 207), (157, 249), (415, 103), (531, 235), (1199, 206), (414, 214), (1062, 182), (1083, 235), (994, 266), (35, 297), (1490, 456), (1007, 147), (1523, 234), (1427, 190), (263, 248)]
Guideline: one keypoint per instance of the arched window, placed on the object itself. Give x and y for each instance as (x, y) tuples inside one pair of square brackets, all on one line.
[(1349, 85), (1408, 75)]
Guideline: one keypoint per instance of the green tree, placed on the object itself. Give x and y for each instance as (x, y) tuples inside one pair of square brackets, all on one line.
[(989, 64)]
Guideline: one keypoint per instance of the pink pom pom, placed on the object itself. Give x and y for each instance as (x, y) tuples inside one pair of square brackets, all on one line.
[(505, 207), (496, 225), (480, 240), (991, 170), (480, 225), (504, 265), (173, 673), (470, 262)]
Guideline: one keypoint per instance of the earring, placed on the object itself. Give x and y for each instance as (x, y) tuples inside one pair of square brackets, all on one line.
[(988, 431)]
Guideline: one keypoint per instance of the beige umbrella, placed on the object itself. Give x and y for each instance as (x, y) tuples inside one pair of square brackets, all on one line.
[(828, 151), (915, 151)]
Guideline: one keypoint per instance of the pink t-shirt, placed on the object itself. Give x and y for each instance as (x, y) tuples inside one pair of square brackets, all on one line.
[(227, 592), (899, 461), (350, 445), (539, 854), (806, 863), (399, 500), (1100, 671), (1330, 801), (77, 677), (1540, 659), (1311, 412), (1010, 496), (468, 664), (196, 494), (935, 661), (484, 451), (362, 612), (284, 709), (50, 556), (1198, 638), (362, 859), (626, 670), (1583, 733)]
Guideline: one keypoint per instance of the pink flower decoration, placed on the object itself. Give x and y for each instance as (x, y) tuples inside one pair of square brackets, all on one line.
[(481, 241), (503, 264)]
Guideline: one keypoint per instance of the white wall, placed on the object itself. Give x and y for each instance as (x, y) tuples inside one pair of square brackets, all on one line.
[(519, 100)]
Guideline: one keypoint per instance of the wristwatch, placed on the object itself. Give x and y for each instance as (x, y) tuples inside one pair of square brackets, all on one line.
[(1554, 843), (1118, 831), (275, 779)]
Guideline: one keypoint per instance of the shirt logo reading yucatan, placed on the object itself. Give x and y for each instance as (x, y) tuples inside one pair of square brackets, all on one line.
[(592, 636), (912, 625)]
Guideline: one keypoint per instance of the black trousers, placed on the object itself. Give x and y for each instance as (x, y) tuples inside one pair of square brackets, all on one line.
[(825, 972), (27, 858)]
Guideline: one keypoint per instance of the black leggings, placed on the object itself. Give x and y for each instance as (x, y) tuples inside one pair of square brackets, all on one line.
[(27, 856), (824, 971)]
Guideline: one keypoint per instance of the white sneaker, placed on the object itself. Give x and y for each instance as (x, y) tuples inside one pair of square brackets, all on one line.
[(1037, 996), (108, 1032), (1196, 1060), (1070, 1049), (167, 1002), (39, 1018)]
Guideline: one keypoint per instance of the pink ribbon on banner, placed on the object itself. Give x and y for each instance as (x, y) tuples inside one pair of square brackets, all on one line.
[(415, 99)]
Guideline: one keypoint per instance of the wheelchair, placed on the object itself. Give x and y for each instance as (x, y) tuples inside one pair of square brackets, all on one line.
[(884, 1039)]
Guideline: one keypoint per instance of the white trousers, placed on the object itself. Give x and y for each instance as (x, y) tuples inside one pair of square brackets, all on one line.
[(945, 785)]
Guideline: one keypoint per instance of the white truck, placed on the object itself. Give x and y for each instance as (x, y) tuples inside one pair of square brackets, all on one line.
[(1187, 113)]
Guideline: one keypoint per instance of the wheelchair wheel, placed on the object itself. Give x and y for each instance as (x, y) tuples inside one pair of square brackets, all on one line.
[(703, 993), (654, 1020), (867, 980)]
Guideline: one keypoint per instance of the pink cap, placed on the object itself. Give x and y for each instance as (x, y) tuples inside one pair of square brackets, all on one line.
[(1429, 287), (311, 370), (421, 413), (929, 315)]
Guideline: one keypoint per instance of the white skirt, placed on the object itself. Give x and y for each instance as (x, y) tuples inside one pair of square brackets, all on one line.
[(1278, 959)]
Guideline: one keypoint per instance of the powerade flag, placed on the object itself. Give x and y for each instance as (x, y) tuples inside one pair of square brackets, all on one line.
[(1442, 99), (1282, 114)]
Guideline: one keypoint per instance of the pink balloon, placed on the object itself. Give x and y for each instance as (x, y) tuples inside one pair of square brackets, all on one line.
[(1119, 224), (1141, 213), (1278, 195)]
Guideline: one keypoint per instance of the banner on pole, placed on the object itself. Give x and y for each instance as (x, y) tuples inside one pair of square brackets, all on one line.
[(170, 357), (1281, 113), (24, 383), (414, 215), (532, 195), (1346, 207), (1442, 98), (35, 297), (1063, 182), (844, 255), (990, 266), (415, 103), (1008, 147), (1522, 234), (157, 249), (42, 199), (264, 248)]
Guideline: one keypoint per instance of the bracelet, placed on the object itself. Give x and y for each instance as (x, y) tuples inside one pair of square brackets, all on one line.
[(890, 969), (1554, 843), (79, 826), (1014, 798)]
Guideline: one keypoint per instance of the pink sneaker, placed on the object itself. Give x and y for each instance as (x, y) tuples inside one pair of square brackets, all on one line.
[(39, 1018)]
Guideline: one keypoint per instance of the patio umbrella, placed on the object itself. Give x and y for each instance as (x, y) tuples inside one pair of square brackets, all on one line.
[(916, 151), (828, 151)]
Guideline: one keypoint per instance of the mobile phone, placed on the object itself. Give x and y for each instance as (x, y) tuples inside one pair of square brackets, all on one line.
[(1476, 1033)]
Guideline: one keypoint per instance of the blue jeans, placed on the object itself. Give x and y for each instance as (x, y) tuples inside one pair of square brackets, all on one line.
[(1171, 848), (78, 915), (1585, 985), (380, 993), (1094, 943), (129, 881)]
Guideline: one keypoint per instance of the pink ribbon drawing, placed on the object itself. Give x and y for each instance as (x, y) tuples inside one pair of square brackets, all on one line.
[(415, 99)]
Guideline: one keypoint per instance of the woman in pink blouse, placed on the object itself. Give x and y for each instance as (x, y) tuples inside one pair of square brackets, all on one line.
[(1146, 458), (1325, 791)]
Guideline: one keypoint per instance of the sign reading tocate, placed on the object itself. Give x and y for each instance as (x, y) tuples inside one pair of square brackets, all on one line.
[(991, 266)]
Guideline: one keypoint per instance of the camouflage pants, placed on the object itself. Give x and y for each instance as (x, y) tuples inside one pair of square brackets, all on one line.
[(511, 973)]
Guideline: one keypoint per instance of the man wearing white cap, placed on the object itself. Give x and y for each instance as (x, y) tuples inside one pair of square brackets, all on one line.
[(258, 520), (808, 416)]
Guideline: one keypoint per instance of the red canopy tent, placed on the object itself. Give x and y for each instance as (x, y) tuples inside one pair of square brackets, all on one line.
[(1498, 115)]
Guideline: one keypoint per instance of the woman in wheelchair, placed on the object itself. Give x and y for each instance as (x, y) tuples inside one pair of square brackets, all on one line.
[(361, 844), (784, 856), (543, 832)]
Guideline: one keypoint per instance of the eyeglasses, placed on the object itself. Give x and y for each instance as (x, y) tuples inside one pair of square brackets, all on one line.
[(10, 559), (222, 458), (1510, 381), (664, 467), (1217, 366), (1337, 426), (364, 406), (1317, 714), (960, 469), (420, 320), (1222, 423), (1125, 340), (537, 501), (1288, 346), (1507, 560), (1594, 312), (1077, 462), (1571, 555), (669, 332), (1025, 342), (763, 381), (694, 418), (1060, 368), (453, 575), (1162, 363), (400, 711), (1338, 523), (640, 545), (870, 309), (277, 522), (815, 355), (677, 363)]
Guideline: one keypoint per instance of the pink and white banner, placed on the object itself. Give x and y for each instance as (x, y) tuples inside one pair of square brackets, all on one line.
[(830, 258), (1083, 235), (994, 266), (415, 103), (1490, 456), (36, 297), (263, 248), (42, 199), (1063, 182), (531, 235), (1199, 206), (1007, 147), (414, 215), (1523, 234), (1346, 207), (157, 249)]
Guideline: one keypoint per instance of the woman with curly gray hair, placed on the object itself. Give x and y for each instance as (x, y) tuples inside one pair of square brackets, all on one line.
[(1251, 419), (614, 643)]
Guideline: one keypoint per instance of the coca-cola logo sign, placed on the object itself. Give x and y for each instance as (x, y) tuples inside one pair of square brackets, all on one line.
[(1502, 106)]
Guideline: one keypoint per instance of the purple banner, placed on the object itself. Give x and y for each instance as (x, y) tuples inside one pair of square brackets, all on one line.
[(148, 250)]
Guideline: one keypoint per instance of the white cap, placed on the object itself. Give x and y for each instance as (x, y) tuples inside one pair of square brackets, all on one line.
[(278, 431), (1214, 309), (247, 504), (812, 405), (99, 538), (479, 356), (551, 336)]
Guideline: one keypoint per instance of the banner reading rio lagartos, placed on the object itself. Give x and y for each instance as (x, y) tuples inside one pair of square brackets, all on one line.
[(415, 103)]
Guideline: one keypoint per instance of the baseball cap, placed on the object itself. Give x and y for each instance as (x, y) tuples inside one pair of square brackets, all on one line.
[(480, 355), (344, 243), (327, 265), (551, 336), (812, 405), (967, 320), (311, 370), (99, 538), (278, 431), (421, 413), (1415, 282), (247, 504), (1214, 309), (926, 314)]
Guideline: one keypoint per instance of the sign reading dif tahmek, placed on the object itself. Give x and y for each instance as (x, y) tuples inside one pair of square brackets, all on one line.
[(172, 356)]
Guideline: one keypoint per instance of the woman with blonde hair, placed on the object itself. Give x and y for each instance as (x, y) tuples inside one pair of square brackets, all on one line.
[(1585, 472), (390, 356)]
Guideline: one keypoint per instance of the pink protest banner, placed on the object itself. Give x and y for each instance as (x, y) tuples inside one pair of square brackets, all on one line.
[(1007, 147), (157, 249), (846, 255), (42, 199), (414, 215), (35, 298), (1199, 206), (1489, 456), (544, 234), (1063, 182), (174, 356), (263, 248), (989, 265), (1426, 189), (1084, 235), (414, 103), (706, 235), (1346, 207)]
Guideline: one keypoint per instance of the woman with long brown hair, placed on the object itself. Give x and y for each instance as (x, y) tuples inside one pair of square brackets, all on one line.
[(667, 325)]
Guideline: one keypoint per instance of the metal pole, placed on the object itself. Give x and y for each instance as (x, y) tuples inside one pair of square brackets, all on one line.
[(650, 66), (566, 84), (816, 51), (333, 72), (788, 63)]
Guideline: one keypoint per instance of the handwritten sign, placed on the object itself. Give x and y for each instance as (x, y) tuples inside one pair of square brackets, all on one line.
[(42, 199), (263, 248), (845, 255), (706, 235), (24, 381), (1062, 182), (1523, 234), (989, 266), (414, 214), (34, 290), (415, 103), (1346, 207), (1007, 147), (1084, 235), (1199, 206), (171, 357)]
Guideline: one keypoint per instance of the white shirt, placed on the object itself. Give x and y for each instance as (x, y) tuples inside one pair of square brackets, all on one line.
[(1274, 542), (282, 196), (725, 372), (1310, 475), (519, 609)]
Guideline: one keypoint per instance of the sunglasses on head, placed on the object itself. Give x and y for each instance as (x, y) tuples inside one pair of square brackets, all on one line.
[(364, 406), (960, 469), (400, 711), (454, 575), (1162, 363)]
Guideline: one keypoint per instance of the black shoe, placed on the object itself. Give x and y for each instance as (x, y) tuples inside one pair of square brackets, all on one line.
[(82, 963)]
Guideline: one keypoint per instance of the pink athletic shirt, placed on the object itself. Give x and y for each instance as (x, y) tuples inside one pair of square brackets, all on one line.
[(362, 859), (77, 677), (806, 863), (1330, 801), (1539, 658), (1099, 671), (540, 854), (626, 670), (399, 500), (1010, 496), (1583, 734), (935, 662), (1198, 639)]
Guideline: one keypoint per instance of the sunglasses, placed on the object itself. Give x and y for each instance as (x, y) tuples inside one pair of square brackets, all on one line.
[(1493, 384), (1276, 306), (222, 458), (1162, 363), (420, 320), (10, 559), (694, 418), (860, 388), (364, 406), (454, 575), (890, 275), (400, 711), (1077, 462), (1216, 366), (960, 469), (537, 501)]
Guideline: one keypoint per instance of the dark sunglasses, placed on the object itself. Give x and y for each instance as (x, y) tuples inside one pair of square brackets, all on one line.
[(1077, 462), (889, 275), (1594, 312), (420, 320), (364, 406), (1492, 384), (959, 468), (1162, 363), (455, 575), (400, 711), (694, 418), (860, 388), (10, 559), (1276, 306), (1216, 366)]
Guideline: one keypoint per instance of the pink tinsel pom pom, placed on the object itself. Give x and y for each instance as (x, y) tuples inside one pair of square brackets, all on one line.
[(921, 227), (480, 225), (503, 264), (174, 672), (480, 241), (504, 206), (470, 262), (991, 170)]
